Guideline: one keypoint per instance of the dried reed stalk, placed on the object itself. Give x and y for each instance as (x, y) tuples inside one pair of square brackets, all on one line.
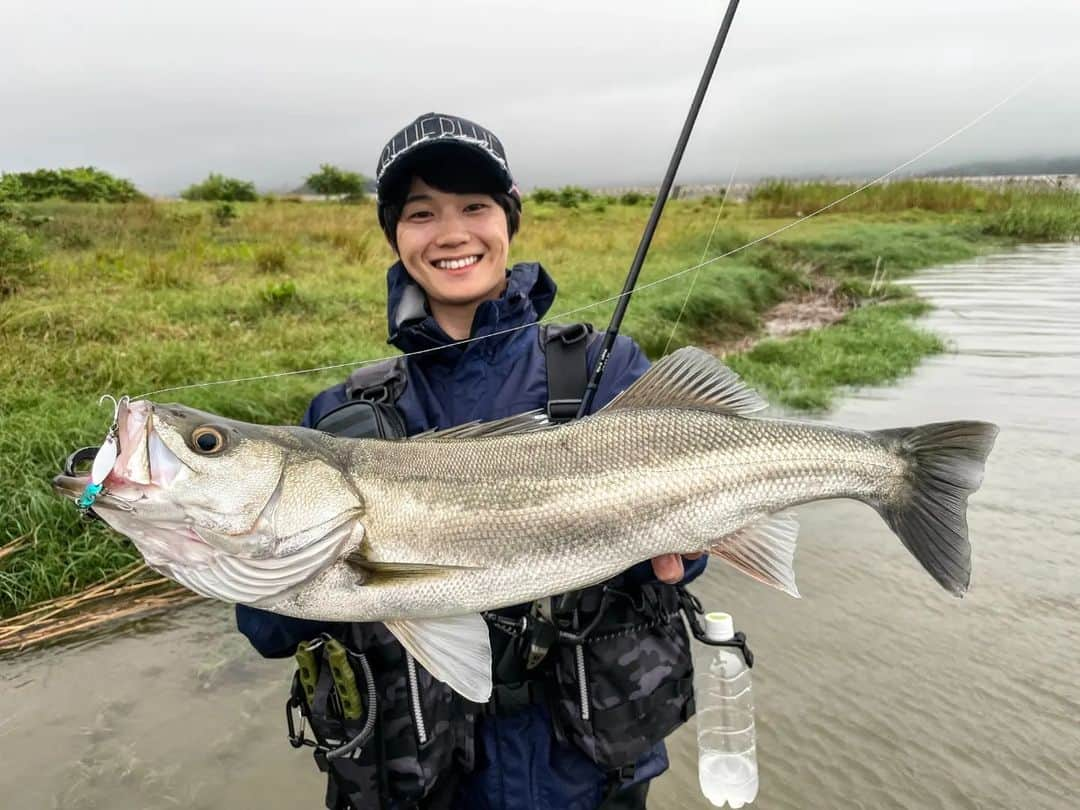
[(14, 545), (135, 593)]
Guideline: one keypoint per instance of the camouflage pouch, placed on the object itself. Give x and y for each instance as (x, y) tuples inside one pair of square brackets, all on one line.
[(423, 728), (426, 727), (628, 681)]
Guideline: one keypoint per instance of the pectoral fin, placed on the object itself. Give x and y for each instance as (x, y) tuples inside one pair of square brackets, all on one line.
[(455, 649), (382, 573), (764, 549)]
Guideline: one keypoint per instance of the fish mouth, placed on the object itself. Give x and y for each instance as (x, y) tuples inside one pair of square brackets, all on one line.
[(144, 464), (70, 485)]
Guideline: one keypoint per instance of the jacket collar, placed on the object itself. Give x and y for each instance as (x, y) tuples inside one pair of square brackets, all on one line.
[(529, 294)]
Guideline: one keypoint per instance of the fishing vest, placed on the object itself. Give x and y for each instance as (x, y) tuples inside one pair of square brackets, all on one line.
[(612, 662)]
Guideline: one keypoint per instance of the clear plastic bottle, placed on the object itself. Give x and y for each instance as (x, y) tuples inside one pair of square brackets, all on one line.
[(727, 756)]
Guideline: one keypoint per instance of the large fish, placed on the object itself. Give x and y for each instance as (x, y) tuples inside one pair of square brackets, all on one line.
[(426, 533)]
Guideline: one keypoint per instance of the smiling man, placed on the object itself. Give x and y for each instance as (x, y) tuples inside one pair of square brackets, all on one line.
[(455, 247), (570, 724)]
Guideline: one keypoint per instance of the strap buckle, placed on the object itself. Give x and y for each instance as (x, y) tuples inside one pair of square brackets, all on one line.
[(507, 699), (541, 634), (376, 393), (563, 410), (573, 333)]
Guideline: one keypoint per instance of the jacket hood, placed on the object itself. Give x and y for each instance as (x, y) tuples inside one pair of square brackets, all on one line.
[(529, 294)]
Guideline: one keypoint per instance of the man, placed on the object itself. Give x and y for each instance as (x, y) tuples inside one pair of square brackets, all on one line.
[(571, 724)]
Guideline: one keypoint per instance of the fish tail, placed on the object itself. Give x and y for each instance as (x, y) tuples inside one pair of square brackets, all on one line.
[(929, 512)]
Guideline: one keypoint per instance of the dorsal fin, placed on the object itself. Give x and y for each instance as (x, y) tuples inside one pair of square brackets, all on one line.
[(690, 378), (528, 422)]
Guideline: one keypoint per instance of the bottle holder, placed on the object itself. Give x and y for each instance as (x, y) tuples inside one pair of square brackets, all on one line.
[(692, 609)]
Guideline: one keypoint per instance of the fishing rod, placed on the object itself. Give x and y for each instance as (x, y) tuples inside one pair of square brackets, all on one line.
[(654, 216)]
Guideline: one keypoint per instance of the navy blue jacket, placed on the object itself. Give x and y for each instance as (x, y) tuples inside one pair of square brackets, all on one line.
[(523, 767)]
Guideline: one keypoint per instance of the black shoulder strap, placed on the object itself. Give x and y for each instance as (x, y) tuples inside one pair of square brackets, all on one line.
[(380, 382), (565, 347)]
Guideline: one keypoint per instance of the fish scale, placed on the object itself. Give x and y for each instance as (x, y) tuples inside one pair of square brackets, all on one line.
[(521, 507)]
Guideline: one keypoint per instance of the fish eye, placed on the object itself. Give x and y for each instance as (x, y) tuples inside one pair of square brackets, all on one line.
[(207, 440)]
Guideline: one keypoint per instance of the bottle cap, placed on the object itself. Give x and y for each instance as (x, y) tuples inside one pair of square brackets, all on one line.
[(719, 627)]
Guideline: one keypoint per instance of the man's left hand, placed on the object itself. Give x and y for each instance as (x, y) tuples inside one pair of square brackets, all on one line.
[(669, 567)]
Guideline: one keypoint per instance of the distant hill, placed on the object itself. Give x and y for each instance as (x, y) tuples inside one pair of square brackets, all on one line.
[(1057, 165)]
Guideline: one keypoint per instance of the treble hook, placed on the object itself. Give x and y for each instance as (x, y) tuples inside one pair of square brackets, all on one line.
[(114, 426)]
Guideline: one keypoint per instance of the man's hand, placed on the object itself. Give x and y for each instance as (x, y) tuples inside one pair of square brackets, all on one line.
[(669, 568)]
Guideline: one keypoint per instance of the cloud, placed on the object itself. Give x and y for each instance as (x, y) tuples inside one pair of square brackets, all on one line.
[(584, 93)]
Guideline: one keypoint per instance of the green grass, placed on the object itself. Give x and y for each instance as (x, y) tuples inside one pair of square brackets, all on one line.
[(1051, 217), (870, 346), (134, 297), (1017, 212), (785, 198)]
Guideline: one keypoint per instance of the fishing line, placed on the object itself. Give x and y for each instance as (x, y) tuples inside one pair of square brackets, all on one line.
[(704, 253), (617, 297), (826, 207)]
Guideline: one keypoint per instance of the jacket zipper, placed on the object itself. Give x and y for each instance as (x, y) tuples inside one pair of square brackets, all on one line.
[(414, 694), (579, 653)]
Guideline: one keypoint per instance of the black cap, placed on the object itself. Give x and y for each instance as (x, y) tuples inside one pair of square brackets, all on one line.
[(439, 130)]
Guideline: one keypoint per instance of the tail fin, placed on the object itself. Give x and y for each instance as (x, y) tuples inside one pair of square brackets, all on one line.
[(946, 461)]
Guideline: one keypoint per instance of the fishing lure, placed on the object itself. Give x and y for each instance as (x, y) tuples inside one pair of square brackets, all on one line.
[(105, 457)]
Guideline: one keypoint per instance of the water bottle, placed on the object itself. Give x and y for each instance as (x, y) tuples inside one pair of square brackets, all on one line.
[(727, 759)]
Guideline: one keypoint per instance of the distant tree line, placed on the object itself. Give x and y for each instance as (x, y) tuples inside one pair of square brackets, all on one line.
[(220, 188), (83, 184), (574, 196), (329, 180), (87, 184)]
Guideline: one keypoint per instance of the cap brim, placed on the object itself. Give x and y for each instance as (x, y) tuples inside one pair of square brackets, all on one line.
[(403, 164)]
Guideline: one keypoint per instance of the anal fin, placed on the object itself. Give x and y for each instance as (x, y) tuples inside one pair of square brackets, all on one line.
[(764, 549), (455, 649)]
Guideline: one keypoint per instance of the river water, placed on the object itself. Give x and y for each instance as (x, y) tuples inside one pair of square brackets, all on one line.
[(875, 690)]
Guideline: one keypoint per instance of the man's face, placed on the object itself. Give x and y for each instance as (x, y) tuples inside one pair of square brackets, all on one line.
[(453, 245)]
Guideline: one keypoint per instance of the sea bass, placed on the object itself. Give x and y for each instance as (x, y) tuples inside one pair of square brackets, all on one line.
[(423, 534)]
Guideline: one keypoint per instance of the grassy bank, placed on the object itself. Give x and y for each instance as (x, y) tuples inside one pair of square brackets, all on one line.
[(134, 297)]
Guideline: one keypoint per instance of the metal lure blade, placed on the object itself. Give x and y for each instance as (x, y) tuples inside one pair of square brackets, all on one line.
[(104, 460)]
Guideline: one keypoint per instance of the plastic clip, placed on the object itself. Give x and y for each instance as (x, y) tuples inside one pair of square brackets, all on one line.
[(541, 635), (691, 608)]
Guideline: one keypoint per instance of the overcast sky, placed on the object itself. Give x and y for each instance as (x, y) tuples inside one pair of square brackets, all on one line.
[(580, 91)]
